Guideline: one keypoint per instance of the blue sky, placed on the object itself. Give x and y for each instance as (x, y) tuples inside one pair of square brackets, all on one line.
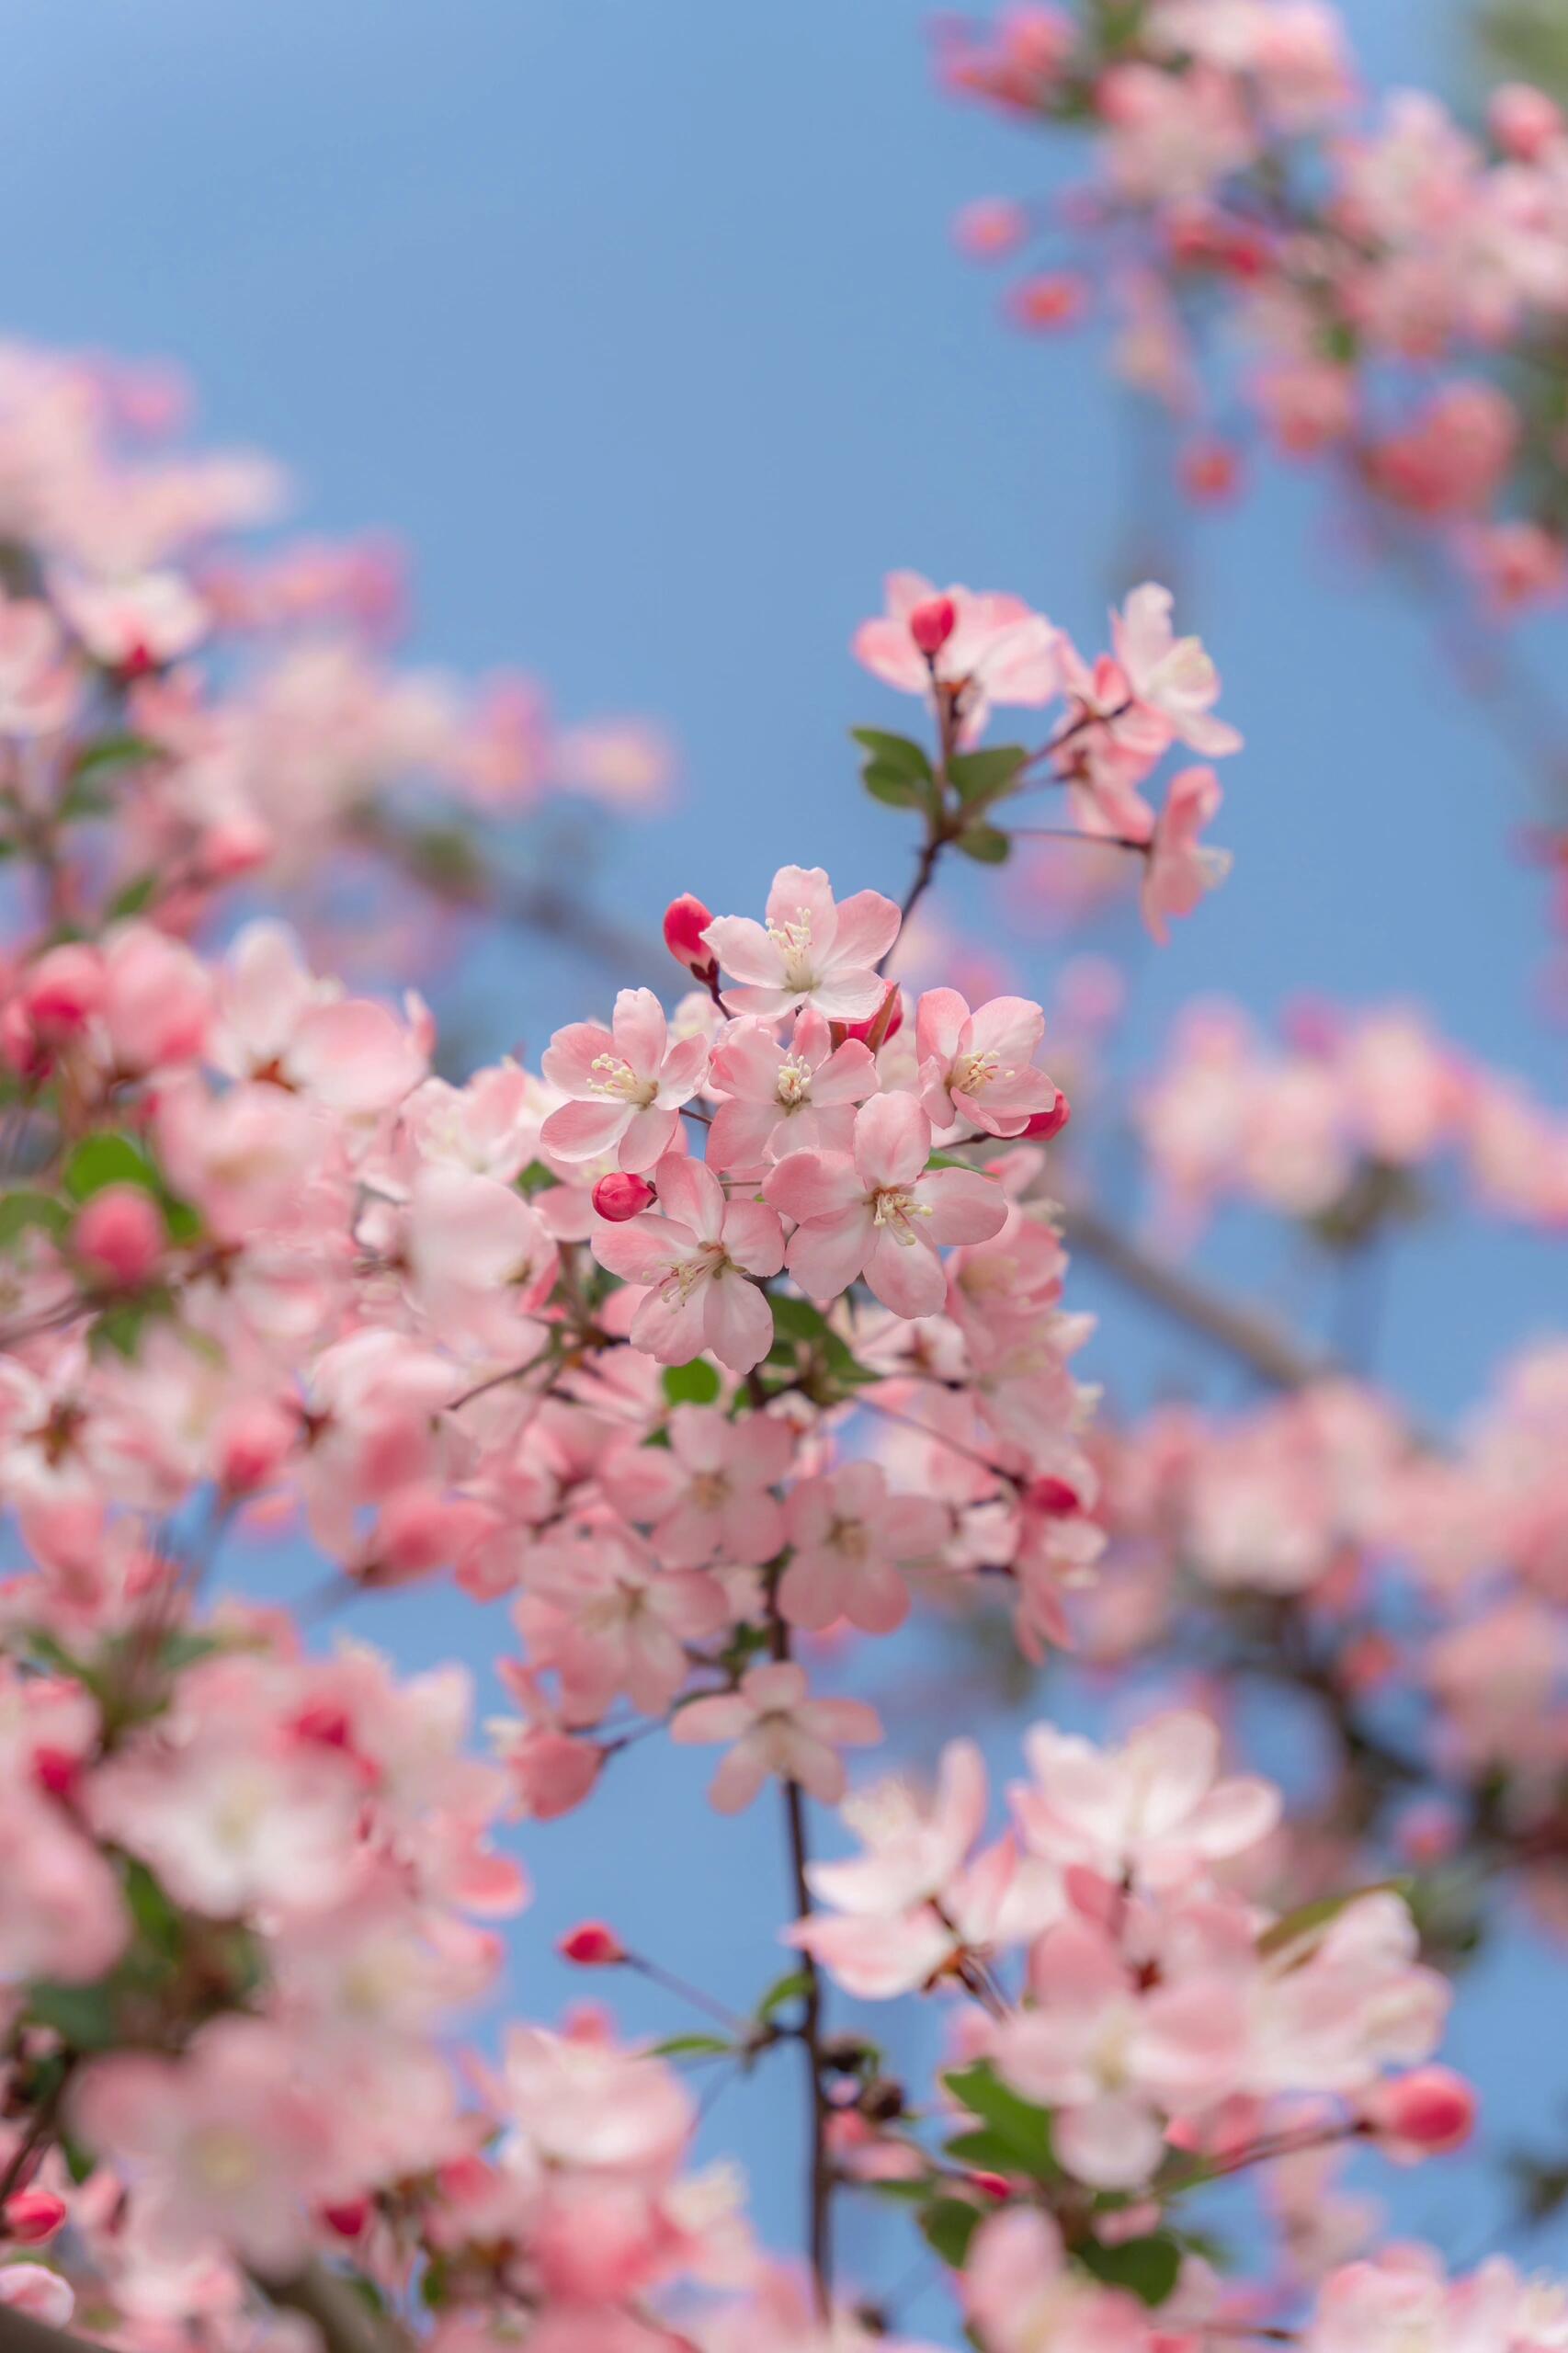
[(643, 328)]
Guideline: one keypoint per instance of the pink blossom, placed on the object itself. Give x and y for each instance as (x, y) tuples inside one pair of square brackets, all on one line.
[(1153, 1808), (811, 950), (1180, 869), (981, 1066), (996, 652), (779, 1099), (696, 1253), (849, 1539), (626, 1084), (776, 1728), (706, 1497), (1171, 675), (878, 1212)]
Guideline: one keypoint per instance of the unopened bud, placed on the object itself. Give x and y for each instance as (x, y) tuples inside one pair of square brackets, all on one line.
[(30, 2216), (348, 2218), (1046, 1124), (932, 623), (1430, 2110), (885, 1023), (120, 1233), (685, 920), (592, 1945), (1054, 1496), (619, 1197)]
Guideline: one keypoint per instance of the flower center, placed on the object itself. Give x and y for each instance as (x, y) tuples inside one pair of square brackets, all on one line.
[(793, 941), (896, 1207), (705, 1265), (616, 1078), (849, 1540), (710, 1489), (971, 1073), (794, 1082)]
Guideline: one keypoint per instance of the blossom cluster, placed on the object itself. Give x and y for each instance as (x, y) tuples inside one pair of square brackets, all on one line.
[(1393, 282)]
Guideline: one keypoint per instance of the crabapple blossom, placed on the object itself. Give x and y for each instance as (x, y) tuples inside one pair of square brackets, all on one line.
[(776, 1728), (811, 950), (778, 1100), (848, 1540), (626, 1084), (696, 1254), (1181, 869), (992, 649), (981, 1066), (879, 1211)]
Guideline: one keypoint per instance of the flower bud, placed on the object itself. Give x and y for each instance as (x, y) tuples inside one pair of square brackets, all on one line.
[(592, 1945), (1428, 2112), (30, 2216), (1523, 120), (63, 990), (120, 1233), (619, 1197), (1046, 1124), (1055, 1497), (932, 623), (1056, 299), (685, 920), (348, 2218), (885, 1023)]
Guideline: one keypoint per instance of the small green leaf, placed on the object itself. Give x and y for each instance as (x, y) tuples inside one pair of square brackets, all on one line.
[(691, 2046), (110, 752), (896, 791), (987, 844), (536, 1178), (947, 2227), (25, 1212), (695, 1384), (986, 2150), (157, 1919), (103, 1160), (979, 777), (82, 2015), (793, 1986), (1147, 2268), (130, 900), (900, 754), (798, 1320), (1017, 2122)]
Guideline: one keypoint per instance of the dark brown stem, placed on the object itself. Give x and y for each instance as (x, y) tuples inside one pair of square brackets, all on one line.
[(820, 2226)]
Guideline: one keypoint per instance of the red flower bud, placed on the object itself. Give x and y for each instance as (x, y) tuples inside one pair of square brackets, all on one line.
[(29, 2216), (885, 1023), (1046, 1124), (57, 1771), (592, 1945), (1055, 1497), (1056, 299), (1431, 2109), (620, 1196), (992, 2185), (685, 920), (348, 2218), (120, 1233), (932, 623)]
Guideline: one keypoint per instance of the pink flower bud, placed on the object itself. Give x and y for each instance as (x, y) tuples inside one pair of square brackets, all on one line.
[(592, 1945), (57, 1771), (347, 2218), (1056, 299), (620, 1196), (1523, 120), (121, 1234), (992, 2185), (63, 990), (885, 1023), (932, 623), (685, 920), (254, 1442), (30, 2216), (1054, 1496), (1046, 1124), (1431, 2110)]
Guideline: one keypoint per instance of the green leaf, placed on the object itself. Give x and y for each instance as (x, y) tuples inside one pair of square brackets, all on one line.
[(103, 1160), (793, 1986), (1148, 2267), (136, 894), (797, 1319), (1016, 2122), (979, 777), (1304, 1923), (26, 1210), (986, 2150), (897, 791), (158, 1921), (947, 2225), (536, 1178), (82, 2015), (695, 1384), (899, 754), (111, 752), (690, 2046), (987, 844)]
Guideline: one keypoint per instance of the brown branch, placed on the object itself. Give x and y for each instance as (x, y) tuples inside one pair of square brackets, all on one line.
[(1244, 1332), (347, 2323)]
